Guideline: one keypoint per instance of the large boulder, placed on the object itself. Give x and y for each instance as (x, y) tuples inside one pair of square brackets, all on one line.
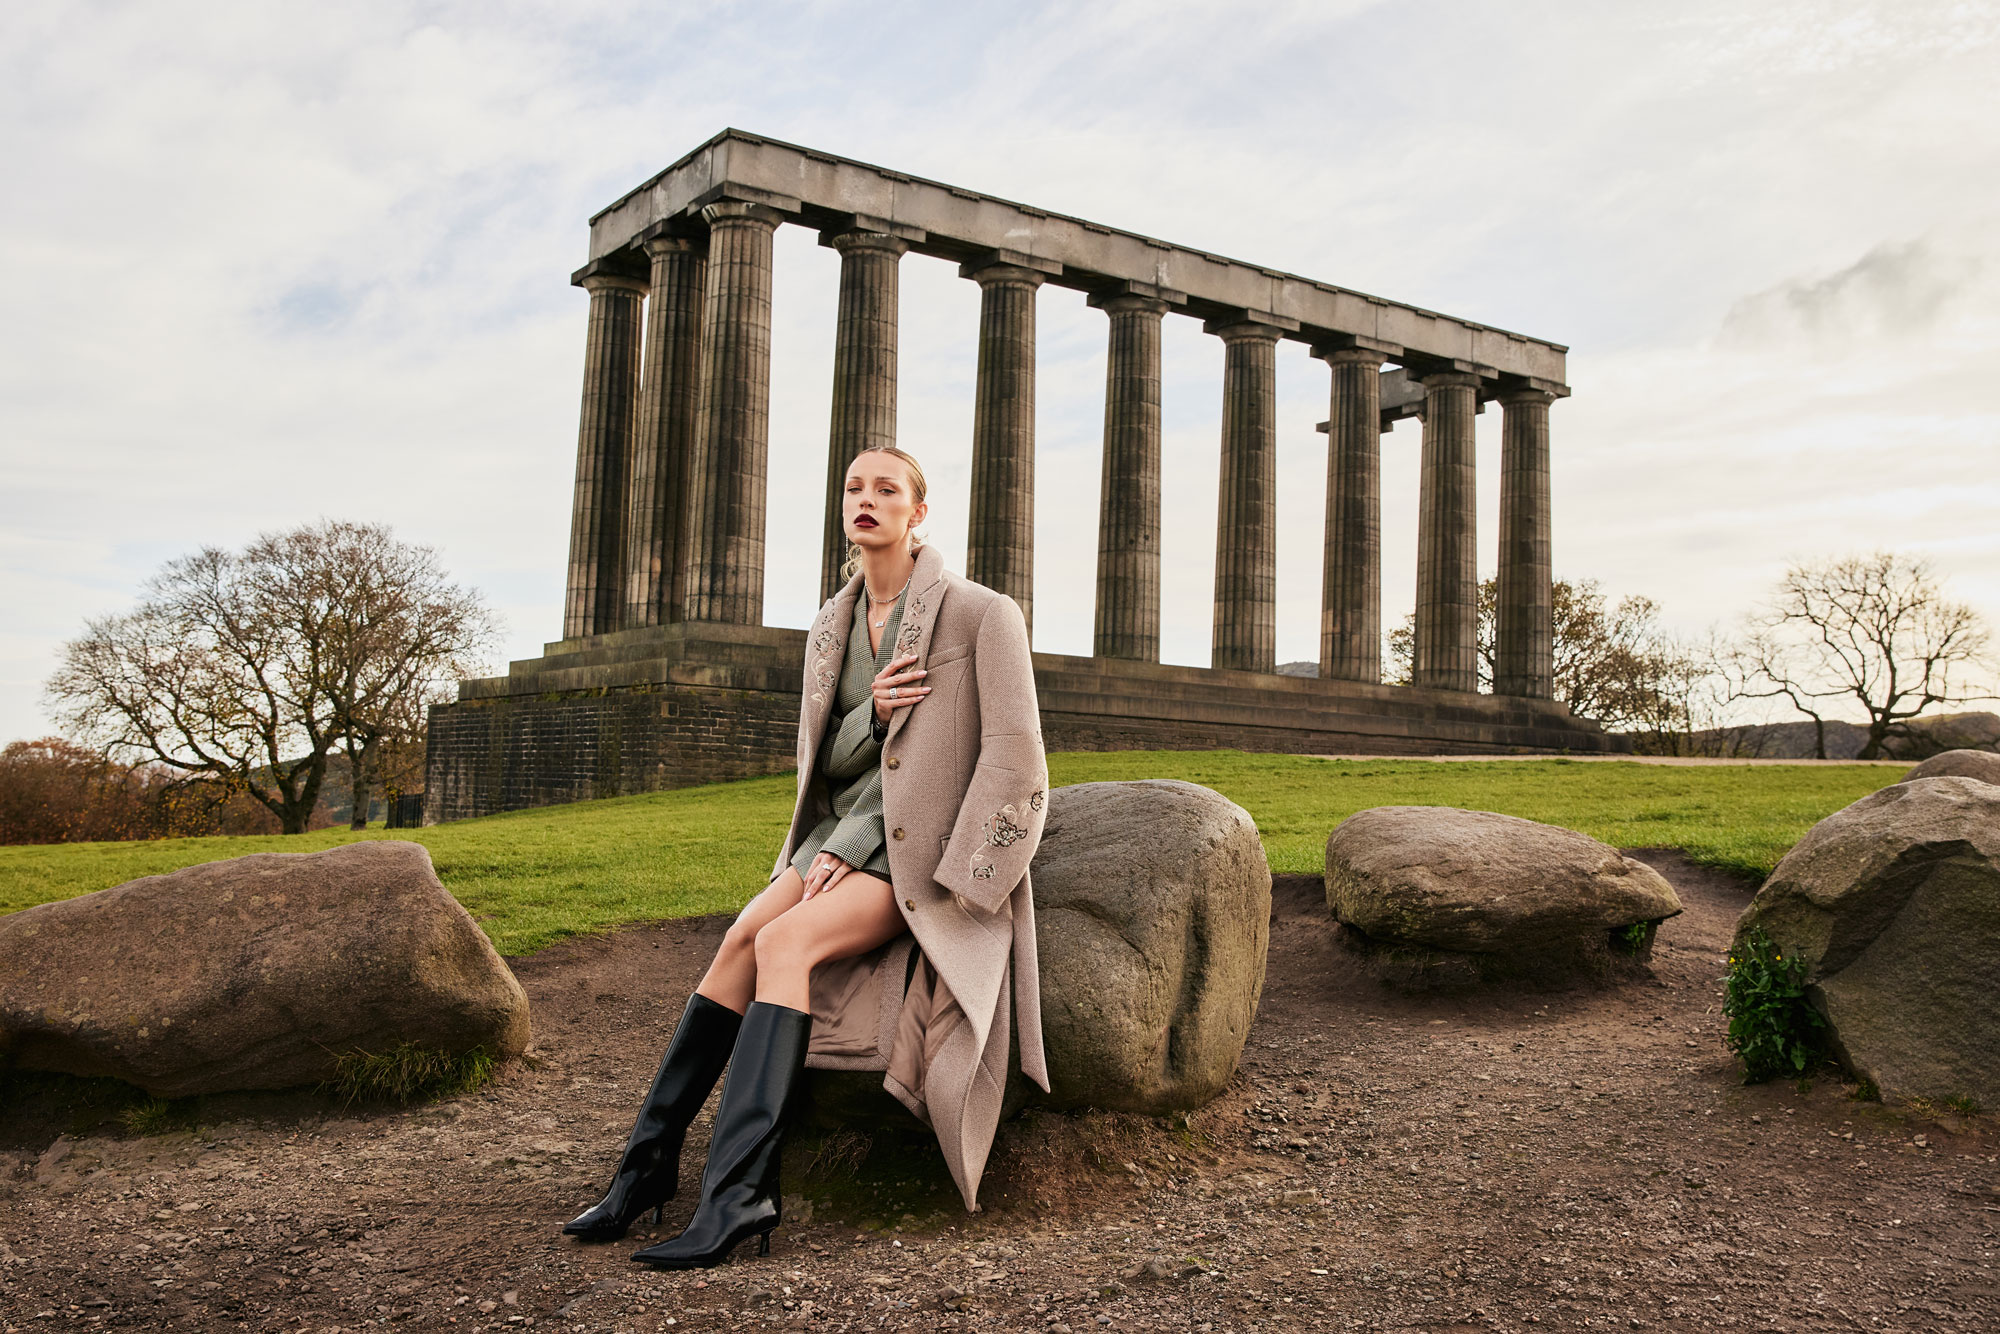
[(1893, 903), (1153, 913), (1981, 764), (1447, 895), (1153, 920), (253, 973)]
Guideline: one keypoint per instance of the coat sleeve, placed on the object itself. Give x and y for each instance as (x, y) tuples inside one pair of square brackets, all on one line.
[(999, 822)]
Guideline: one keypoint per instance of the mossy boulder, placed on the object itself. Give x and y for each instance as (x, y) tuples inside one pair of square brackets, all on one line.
[(1440, 895), (254, 973), (1893, 903)]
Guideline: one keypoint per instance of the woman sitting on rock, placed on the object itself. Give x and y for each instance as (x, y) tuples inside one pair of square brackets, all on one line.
[(898, 930)]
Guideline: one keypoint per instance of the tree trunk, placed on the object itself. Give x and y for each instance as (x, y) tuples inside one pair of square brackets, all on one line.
[(362, 768), (1819, 734)]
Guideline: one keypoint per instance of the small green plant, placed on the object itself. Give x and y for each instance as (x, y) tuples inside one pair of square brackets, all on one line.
[(1962, 1104), (407, 1073), (158, 1116), (1772, 1026), (1864, 1090), (1631, 940)]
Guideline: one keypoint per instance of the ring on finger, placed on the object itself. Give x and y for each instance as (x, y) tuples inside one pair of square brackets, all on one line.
[(892, 692)]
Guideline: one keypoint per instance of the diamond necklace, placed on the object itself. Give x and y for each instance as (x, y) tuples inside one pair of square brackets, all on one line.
[(874, 601)]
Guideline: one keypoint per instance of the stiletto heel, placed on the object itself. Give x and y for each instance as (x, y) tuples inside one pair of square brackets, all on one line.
[(649, 1170), (657, 1210), (739, 1188)]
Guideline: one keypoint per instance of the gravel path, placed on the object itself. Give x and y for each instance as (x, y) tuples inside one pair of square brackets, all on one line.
[(1499, 1161)]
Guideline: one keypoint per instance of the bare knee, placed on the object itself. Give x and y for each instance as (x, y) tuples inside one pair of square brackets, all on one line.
[(783, 948), (740, 940)]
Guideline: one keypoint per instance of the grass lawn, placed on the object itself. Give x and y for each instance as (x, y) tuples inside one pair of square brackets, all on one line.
[(533, 877)]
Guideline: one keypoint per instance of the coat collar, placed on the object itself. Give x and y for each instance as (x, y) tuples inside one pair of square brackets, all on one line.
[(826, 645)]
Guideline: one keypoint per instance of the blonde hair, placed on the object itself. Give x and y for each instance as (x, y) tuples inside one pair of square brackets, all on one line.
[(918, 490)]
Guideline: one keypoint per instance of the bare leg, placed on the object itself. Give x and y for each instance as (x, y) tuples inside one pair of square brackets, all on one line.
[(853, 917), (731, 979)]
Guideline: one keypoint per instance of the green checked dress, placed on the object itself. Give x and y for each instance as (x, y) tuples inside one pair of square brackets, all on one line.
[(850, 755)]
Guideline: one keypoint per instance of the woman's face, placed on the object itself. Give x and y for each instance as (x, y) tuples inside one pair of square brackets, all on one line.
[(878, 510)]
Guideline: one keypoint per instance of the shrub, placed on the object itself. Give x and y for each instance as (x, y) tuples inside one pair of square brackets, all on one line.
[(1771, 1024)]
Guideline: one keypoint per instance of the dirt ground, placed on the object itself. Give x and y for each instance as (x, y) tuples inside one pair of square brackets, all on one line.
[(1496, 1161)]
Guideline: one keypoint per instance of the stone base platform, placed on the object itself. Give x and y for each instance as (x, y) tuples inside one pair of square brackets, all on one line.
[(701, 702)]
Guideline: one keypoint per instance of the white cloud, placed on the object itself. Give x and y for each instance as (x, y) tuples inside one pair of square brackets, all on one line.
[(263, 266)]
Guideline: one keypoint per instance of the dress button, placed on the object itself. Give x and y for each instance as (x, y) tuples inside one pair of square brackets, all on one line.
[(891, 763), (897, 834), (911, 904)]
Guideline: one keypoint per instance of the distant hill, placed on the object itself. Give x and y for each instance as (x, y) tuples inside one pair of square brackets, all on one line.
[(1795, 741)]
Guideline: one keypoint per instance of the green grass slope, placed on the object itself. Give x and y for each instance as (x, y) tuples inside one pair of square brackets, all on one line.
[(533, 877)]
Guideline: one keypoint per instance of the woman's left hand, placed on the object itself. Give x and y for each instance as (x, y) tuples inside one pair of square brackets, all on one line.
[(823, 873)]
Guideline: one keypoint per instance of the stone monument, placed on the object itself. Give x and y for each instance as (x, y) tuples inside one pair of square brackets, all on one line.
[(666, 675)]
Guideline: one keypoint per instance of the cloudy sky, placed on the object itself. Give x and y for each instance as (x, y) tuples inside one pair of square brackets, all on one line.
[(264, 263)]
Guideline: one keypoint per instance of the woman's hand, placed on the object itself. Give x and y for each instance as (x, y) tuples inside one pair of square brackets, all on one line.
[(823, 873), (896, 688)]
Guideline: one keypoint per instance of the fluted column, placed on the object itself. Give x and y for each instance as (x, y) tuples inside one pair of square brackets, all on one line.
[(1128, 529), (1350, 624), (656, 511), (1245, 634), (1000, 547), (595, 596), (864, 374), (1524, 651), (725, 547), (1447, 640)]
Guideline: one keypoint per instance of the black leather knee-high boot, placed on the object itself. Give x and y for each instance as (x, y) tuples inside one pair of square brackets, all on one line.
[(739, 1188), (649, 1172)]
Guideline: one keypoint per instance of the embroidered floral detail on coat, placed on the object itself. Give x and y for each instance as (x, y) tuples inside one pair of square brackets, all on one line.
[(826, 666), (912, 631), (1004, 828)]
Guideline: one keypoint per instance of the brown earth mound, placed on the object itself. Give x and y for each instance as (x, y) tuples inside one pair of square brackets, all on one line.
[(1492, 1161)]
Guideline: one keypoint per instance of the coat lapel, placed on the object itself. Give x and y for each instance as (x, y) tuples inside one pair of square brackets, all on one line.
[(826, 647), (927, 589)]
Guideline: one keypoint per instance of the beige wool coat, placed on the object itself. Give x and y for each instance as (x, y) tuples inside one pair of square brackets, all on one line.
[(964, 795)]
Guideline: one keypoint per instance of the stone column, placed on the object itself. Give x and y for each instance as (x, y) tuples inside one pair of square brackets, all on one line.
[(1245, 634), (1524, 651), (725, 544), (864, 374), (1128, 529), (657, 505), (1350, 622), (1447, 640), (595, 596), (1000, 547)]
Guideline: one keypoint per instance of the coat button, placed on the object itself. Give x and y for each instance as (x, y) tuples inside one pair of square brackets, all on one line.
[(891, 763), (911, 904), (897, 834)]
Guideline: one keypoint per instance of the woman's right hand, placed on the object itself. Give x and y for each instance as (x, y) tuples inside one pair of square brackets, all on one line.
[(897, 688)]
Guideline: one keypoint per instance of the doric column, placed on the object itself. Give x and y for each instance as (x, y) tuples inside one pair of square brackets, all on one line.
[(1350, 623), (595, 597), (1447, 641), (657, 496), (1000, 547), (1524, 651), (1128, 530), (864, 373), (725, 560), (1245, 634)]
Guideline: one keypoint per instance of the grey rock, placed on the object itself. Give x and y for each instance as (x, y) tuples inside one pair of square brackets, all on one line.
[(1894, 904), (1983, 765), (1153, 916), (253, 973), (1153, 912), (1475, 894)]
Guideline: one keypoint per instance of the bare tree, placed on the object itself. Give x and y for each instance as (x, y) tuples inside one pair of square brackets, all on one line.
[(253, 667), (1875, 631)]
